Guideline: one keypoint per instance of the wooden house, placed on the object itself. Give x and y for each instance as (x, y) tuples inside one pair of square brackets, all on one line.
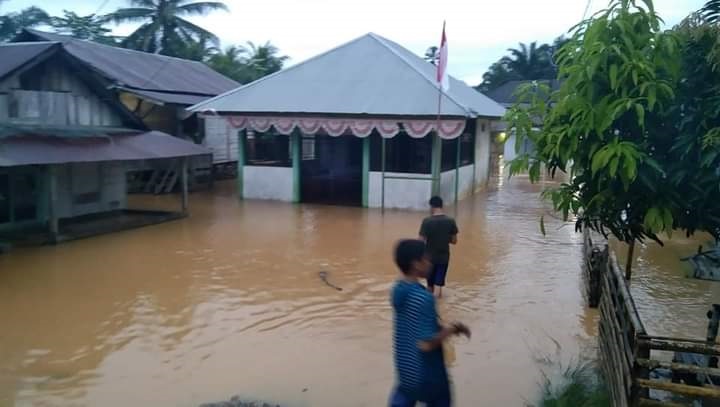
[(66, 144)]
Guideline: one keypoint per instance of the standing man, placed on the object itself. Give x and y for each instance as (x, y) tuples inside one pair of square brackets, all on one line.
[(438, 231), (417, 334)]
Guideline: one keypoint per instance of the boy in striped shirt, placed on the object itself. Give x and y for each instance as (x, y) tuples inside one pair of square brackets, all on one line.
[(418, 336)]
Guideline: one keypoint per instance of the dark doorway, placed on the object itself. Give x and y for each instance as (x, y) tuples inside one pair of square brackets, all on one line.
[(331, 170)]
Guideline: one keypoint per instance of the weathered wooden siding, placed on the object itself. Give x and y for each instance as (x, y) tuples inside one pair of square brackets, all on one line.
[(52, 94), (221, 140), (156, 117), (92, 187)]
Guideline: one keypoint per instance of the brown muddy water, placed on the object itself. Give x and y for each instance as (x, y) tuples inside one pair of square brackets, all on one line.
[(228, 301)]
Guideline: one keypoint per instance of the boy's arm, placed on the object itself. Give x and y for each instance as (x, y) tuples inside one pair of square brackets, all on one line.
[(423, 232), (438, 339), (427, 324)]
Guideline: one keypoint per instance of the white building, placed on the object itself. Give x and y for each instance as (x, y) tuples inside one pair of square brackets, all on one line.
[(355, 125)]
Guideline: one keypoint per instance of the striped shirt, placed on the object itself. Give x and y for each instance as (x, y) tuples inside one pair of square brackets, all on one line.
[(416, 320)]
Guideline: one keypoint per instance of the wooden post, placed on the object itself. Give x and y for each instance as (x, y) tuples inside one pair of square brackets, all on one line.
[(53, 222), (382, 169), (714, 316), (365, 171), (296, 141), (184, 182), (436, 164), (628, 264), (242, 134)]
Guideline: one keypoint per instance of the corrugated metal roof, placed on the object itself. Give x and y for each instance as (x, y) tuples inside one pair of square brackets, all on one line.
[(37, 150), (369, 75), (15, 55), (165, 97), (142, 70)]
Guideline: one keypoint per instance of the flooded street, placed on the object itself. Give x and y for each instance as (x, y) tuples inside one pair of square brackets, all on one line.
[(229, 301)]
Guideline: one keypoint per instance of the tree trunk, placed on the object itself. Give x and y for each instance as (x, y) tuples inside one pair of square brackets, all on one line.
[(628, 265)]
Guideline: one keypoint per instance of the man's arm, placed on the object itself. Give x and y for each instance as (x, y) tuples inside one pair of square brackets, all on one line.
[(423, 232), (437, 340), (453, 233)]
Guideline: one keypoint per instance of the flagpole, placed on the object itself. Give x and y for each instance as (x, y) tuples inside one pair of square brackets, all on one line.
[(436, 160)]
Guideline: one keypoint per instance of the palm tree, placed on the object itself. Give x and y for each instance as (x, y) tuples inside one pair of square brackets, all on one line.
[(231, 62), (12, 23), (164, 27), (531, 62), (264, 59), (89, 27)]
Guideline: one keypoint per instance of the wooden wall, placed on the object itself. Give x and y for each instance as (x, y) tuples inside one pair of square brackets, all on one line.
[(51, 94)]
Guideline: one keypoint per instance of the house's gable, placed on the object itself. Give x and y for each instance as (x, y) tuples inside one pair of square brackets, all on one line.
[(51, 89)]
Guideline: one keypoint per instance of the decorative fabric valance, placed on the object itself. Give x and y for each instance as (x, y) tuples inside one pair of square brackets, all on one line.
[(388, 128)]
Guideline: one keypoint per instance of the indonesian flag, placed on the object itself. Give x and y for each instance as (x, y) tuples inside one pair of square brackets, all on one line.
[(442, 76)]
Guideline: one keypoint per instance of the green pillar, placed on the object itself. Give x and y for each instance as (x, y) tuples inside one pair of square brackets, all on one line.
[(436, 164), (365, 171), (241, 163), (457, 170), (296, 143)]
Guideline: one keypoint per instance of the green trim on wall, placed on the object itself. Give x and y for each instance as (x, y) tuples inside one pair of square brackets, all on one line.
[(436, 164), (241, 164), (457, 170), (365, 171), (296, 141)]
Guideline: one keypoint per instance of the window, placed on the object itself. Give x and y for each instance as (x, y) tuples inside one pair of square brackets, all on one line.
[(267, 149), (467, 149), (449, 154), (402, 154), (308, 148), (86, 183)]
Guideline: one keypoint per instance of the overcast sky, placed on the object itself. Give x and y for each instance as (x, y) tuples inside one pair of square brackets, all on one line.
[(478, 31)]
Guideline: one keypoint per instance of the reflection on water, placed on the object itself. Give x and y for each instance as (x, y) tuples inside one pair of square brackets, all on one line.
[(229, 302)]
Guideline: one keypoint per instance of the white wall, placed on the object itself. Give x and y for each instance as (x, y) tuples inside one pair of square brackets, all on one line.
[(274, 183), (447, 184), (221, 139), (482, 153), (73, 179), (399, 193)]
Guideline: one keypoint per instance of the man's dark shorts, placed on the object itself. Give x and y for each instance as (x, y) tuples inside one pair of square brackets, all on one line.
[(399, 399), (437, 275)]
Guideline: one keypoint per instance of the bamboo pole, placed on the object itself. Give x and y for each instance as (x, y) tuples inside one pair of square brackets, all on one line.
[(655, 403), (678, 367), (693, 391), (678, 346), (382, 181)]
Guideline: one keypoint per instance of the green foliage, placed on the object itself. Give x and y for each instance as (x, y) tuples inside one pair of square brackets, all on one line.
[(12, 23), (247, 64), (711, 11), (90, 27), (527, 62), (164, 28), (634, 124)]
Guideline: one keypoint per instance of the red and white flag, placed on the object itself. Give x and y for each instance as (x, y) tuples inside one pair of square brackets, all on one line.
[(442, 76)]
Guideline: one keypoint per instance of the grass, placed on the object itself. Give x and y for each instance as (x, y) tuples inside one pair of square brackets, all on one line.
[(579, 385)]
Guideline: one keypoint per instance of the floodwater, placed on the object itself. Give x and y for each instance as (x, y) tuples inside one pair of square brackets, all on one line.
[(229, 301)]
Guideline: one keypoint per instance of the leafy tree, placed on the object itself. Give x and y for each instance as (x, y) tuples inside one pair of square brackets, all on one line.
[(633, 128), (201, 50), (527, 62), (12, 23), (264, 59), (231, 62), (531, 62), (164, 27), (90, 27)]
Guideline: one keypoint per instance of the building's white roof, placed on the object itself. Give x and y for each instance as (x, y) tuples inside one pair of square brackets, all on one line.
[(370, 75)]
